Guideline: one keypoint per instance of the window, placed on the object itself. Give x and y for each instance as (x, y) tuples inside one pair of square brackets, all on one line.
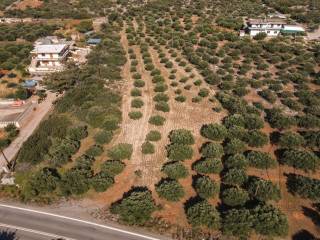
[(43, 54), (268, 31)]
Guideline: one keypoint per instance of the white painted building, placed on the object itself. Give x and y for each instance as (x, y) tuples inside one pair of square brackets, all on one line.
[(272, 27), (49, 55)]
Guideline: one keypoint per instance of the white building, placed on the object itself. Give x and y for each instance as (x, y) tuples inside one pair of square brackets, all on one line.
[(272, 27), (49, 55)]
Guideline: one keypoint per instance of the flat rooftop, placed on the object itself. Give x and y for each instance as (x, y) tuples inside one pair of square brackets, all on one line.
[(49, 48), (267, 20)]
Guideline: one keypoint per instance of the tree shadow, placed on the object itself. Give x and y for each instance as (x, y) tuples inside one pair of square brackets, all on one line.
[(312, 214), (8, 235), (304, 235)]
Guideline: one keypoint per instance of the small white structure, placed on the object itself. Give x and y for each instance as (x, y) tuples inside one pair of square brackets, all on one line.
[(272, 27), (49, 55)]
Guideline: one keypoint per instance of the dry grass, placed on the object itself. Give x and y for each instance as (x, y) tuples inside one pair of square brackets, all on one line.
[(22, 5)]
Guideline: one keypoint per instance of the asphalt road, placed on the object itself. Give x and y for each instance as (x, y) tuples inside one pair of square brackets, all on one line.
[(27, 224)]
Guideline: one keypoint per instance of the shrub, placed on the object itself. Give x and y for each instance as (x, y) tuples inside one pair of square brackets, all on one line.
[(147, 148), (180, 98), (214, 131), (260, 36), (157, 120), (263, 190), (203, 92), (205, 187), (169, 189), (303, 186), (175, 170), (203, 214), (153, 136), (181, 136), (179, 152), (139, 83), (135, 207), (135, 115), (253, 121), (112, 167), (234, 196), (74, 182), (301, 159), (238, 223), (211, 150), (255, 138), (162, 106), (236, 161), (161, 97), (234, 120), (136, 103), (270, 221), (160, 87), (101, 182), (291, 140), (235, 177), (121, 151), (103, 137), (78, 133), (235, 146), (95, 150), (136, 92), (208, 165), (261, 160)]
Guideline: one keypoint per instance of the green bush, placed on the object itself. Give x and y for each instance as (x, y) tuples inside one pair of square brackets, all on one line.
[(170, 190), (253, 121), (147, 148), (94, 151), (101, 182), (235, 146), (234, 196), (112, 167), (121, 151), (205, 187), (261, 160), (180, 98), (236, 161), (263, 190), (214, 131), (103, 137), (255, 138), (181, 136), (304, 187), (139, 83), (135, 115), (137, 103), (161, 97), (208, 165), (135, 208), (202, 214), (204, 92), (175, 170), (291, 140), (301, 159), (270, 221), (211, 150), (153, 136), (238, 223), (136, 92), (157, 120), (179, 152), (162, 106), (235, 176), (160, 87)]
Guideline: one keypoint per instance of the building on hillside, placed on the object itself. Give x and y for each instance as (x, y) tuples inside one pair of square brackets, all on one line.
[(49, 55), (272, 27)]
